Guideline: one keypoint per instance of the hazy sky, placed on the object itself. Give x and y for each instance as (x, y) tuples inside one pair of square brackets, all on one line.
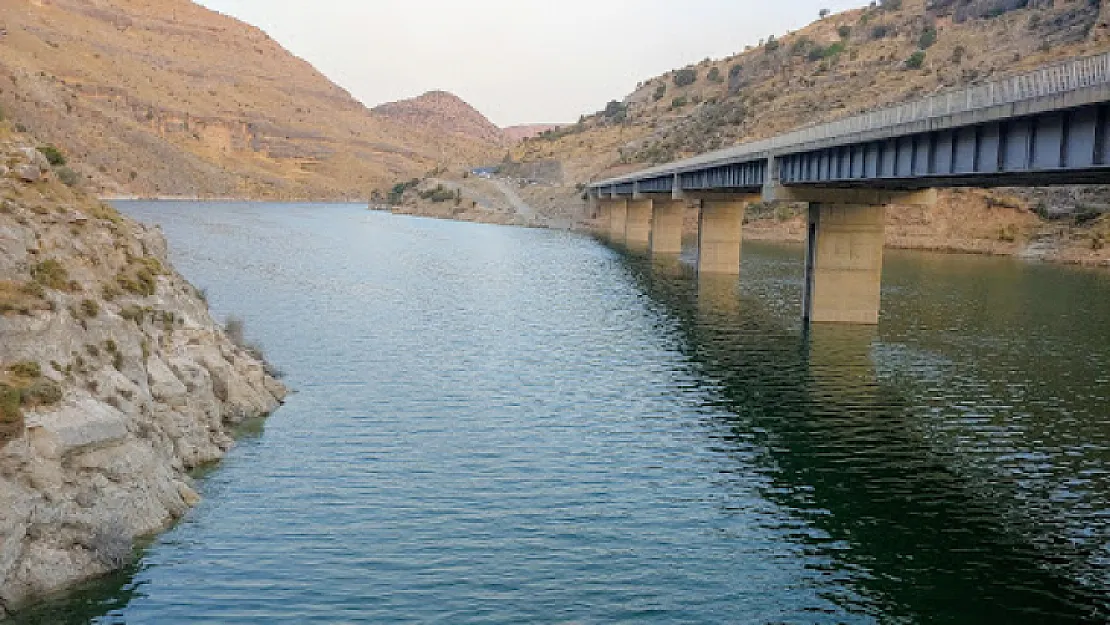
[(517, 61)]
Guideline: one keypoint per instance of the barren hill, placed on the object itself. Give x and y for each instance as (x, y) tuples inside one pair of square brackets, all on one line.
[(164, 97), (445, 113)]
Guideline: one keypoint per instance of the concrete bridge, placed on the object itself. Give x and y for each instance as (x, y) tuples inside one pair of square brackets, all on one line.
[(1046, 127)]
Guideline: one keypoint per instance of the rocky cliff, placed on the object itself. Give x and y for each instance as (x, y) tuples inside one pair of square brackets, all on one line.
[(167, 98), (114, 381)]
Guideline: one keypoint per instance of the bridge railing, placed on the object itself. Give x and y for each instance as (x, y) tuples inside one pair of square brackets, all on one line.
[(1045, 81)]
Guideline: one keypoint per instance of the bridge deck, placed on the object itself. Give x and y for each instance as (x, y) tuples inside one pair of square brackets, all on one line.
[(967, 123)]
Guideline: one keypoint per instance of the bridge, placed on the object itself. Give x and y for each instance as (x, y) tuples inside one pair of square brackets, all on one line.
[(1045, 127)]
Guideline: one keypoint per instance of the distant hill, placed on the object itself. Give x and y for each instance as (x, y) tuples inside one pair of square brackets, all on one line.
[(444, 113), (164, 97)]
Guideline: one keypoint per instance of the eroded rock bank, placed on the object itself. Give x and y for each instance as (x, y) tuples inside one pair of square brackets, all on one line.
[(115, 381)]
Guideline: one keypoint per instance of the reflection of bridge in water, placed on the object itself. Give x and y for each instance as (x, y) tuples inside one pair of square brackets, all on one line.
[(915, 536), (1045, 127)]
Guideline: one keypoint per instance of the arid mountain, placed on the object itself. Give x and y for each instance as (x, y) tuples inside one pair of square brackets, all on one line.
[(164, 97), (838, 66), (528, 131), (444, 113)]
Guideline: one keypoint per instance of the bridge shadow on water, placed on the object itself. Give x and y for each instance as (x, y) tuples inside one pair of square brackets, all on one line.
[(915, 538)]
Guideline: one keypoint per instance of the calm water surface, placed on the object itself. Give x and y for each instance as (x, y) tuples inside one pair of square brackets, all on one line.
[(499, 425)]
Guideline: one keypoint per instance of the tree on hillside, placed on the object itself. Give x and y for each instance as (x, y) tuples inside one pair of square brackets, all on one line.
[(823, 13), (685, 77)]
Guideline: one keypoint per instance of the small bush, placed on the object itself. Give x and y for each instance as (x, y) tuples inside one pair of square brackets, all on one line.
[(685, 77), (891, 5), (43, 393), (879, 31), (53, 155), (615, 111), (958, 54), (680, 102), (844, 31), (27, 369), (715, 75), (51, 274), (927, 38), (68, 177), (772, 44), (90, 308), (660, 92), (10, 413), (916, 60)]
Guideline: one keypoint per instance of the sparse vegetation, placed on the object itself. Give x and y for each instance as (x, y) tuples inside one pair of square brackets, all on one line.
[(916, 60), (844, 31), (51, 274), (772, 44), (680, 102), (660, 92), (685, 77), (53, 155), (89, 308), (68, 176), (927, 39), (715, 75)]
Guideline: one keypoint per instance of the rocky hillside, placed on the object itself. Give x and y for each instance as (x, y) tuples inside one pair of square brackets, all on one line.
[(114, 381), (444, 113), (167, 98), (844, 64), (529, 131)]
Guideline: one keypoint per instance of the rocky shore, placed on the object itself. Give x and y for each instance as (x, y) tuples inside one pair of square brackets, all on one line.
[(115, 381)]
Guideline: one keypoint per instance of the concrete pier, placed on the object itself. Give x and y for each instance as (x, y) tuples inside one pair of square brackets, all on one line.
[(666, 227), (720, 231), (637, 228), (844, 263), (618, 214)]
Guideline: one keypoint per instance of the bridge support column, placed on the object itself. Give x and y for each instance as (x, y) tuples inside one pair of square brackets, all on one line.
[(618, 214), (720, 228), (666, 227), (844, 263), (637, 227)]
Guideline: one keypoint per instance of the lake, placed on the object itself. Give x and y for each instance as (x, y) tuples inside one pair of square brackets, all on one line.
[(503, 425)]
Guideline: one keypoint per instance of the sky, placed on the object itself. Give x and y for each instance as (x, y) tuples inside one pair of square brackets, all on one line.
[(517, 61)]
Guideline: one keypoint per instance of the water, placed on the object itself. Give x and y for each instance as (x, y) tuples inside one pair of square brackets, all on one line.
[(499, 425)]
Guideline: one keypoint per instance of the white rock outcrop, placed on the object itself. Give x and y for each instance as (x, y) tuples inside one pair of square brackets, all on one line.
[(151, 386)]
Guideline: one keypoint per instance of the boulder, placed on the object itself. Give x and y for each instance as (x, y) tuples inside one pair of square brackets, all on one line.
[(29, 173), (76, 425), (164, 385)]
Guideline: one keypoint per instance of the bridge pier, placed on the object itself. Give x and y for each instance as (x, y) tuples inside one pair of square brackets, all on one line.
[(667, 217), (844, 263), (618, 215), (720, 235), (637, 227)]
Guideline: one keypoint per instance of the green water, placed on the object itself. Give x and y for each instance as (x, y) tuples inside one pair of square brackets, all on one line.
[(499, 425)]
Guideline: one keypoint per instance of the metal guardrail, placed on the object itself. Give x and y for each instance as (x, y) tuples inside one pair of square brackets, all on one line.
[(1049, 80)]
